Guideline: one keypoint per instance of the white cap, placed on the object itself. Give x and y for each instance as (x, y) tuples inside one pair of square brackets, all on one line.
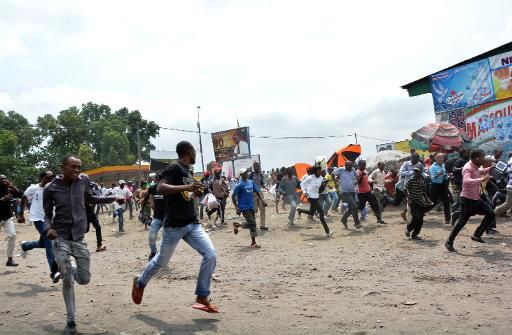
[(243, 170), (122, 182)]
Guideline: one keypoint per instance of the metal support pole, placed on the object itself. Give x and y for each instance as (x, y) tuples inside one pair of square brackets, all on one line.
[(200, 140)]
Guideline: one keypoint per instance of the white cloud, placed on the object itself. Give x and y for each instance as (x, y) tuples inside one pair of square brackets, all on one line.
[(328, 66)]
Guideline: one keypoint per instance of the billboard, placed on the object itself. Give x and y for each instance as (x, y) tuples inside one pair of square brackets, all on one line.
[(501, 71), (461, 87), (231, 144), (232, 169)]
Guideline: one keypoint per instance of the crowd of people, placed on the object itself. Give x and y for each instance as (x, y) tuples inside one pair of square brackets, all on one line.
[(63, 207)]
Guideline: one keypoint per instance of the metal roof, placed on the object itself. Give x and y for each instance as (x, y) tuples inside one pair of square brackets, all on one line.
[(422, 85)]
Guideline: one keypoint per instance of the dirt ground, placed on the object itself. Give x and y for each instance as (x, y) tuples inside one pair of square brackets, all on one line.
[(365, 281)]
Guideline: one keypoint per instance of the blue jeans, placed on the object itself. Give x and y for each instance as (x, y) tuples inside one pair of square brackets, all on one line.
[(43, 242), (156, 224), (325, 201), (119, 213), (334, 200), (196, 237), (294, 201)]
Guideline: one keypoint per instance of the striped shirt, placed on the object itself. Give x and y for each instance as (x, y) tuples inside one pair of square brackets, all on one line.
[(417, 191)]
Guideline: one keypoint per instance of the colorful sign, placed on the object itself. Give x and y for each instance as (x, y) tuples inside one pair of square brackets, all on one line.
[(482, 121), (231, 144), (501, 70), (461, 87)]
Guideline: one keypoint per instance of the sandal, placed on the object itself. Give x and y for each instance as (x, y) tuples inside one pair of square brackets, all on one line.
[(101, 248)]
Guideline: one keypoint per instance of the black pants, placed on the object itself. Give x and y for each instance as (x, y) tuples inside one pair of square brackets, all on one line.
[(250, 217), (441, 192), (315, 207), (468, 209), (222, 203), (417, 212), (370, 198), (92, 218)]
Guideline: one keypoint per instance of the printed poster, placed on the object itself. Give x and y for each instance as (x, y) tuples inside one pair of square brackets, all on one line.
[(231, 144), (501, 71), (461, 87)]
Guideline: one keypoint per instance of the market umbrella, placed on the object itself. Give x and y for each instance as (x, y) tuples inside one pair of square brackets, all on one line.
[(348, 153), (435, 136)]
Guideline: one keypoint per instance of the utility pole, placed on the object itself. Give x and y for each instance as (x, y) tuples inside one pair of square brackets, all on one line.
[(200, 140), (355, 135), (139, 155)]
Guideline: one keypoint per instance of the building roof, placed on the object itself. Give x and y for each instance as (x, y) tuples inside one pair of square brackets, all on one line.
[(422, 85)]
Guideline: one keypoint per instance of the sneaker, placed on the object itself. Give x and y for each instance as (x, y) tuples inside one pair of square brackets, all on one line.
[(55, 277), (344, 222), (477, 239), (121, 230), (358, 226), (331, 233), (10, 262), (416, 238), (449, 247), (380, 221), (70, 328), (24, 252), (137, 292), (407, 232), (263, 228)]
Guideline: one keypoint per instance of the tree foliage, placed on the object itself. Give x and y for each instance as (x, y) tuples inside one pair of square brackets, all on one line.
[(93, 132)]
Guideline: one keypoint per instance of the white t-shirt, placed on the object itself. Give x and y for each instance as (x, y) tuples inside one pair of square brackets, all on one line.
[(121, 193), (34, 193)]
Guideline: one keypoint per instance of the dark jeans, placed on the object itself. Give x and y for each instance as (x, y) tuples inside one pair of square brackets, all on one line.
[(92, 218), (441, 192), (468, 209), (370, 198), (317, 208), (43, 242), (350, 199), (250, 217), (399, 197), (455, 209), (222, 203), (417, 212)]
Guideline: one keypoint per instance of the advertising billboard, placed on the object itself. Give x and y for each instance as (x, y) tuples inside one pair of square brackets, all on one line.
[(231, 144)]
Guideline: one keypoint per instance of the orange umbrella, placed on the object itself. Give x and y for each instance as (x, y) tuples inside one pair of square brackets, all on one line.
[(349, 153)]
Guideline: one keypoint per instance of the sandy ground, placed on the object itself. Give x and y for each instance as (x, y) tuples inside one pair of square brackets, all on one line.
[(360, 282)]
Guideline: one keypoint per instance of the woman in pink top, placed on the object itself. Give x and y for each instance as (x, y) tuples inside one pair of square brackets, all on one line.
[(472, 203), (365, 192)]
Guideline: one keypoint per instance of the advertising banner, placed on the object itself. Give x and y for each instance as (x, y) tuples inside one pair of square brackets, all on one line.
[(461, 87), (231, 144), (482, 121), (501, 70)]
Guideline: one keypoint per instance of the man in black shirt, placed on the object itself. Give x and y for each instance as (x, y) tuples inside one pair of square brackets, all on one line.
[(180, 222), (158, 206), (8, 193), (457, 183)]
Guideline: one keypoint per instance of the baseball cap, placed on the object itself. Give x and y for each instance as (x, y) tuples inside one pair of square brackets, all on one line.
[(243, 170), (417, 167), (122, 182)]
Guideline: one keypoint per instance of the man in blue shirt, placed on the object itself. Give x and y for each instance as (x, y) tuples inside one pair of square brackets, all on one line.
[(243, 199), (439, 187), (348, 182)]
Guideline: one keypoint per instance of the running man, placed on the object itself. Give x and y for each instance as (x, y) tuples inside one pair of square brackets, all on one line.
[(471, 202), (311, 187), (348, 183), (181, 191), (416, 191), (34, 194), (259, 180), (157, 202), (288, 186), (8, 192), (64, 202), (243, 199)]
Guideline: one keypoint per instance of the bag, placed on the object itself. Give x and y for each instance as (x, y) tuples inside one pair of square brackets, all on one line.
[(211, 201), (144, 218)]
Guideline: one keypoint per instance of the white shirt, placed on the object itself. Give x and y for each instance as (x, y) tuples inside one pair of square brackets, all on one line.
[(123, 193), (34, 194), (311, 186), (377, 178)]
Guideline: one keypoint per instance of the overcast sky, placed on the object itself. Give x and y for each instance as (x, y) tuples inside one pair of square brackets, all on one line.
[(283, 68)]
